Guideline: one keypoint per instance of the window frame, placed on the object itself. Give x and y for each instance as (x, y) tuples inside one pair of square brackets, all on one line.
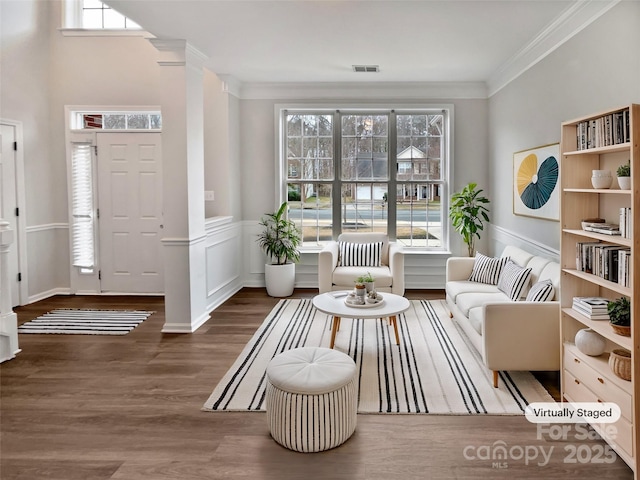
[(281, 111), (72, 18)]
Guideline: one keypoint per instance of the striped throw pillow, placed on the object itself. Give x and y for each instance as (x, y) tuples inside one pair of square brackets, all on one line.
[(514, 279), (360, 254), (541, 292), (487, 269)]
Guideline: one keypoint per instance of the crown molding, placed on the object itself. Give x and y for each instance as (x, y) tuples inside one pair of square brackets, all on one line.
[(178, 53), (573, 20), (351, 90)]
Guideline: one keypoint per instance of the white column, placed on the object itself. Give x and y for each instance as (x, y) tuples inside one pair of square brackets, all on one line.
[(8, 318), (183, 185)]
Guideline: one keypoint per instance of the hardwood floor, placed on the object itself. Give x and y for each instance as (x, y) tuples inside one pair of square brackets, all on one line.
[(128, 407)]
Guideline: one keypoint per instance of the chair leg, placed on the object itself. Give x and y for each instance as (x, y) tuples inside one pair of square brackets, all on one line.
[(450, 314), (495, 378)]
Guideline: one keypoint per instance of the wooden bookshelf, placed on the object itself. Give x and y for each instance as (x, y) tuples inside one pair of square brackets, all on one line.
[(579, 201)]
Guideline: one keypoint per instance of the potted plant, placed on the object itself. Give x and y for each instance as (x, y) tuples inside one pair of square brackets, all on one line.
[(367, 281), (280, 239), (624, 176), (467, 212), (620, 316)]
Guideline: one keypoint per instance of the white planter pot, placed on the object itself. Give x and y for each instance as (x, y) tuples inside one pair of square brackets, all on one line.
[(280, 279), (624, 183)]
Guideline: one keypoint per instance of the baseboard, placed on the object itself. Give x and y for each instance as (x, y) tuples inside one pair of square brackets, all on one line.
[(48, 293)]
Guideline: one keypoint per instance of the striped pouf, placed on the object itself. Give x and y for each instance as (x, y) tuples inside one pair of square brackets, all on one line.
[(311, 398)]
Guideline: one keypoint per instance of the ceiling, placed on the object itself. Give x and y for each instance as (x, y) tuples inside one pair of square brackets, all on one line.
[(264, 41)]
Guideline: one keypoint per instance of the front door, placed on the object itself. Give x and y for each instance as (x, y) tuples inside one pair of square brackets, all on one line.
[(130, 212), (9, 202)]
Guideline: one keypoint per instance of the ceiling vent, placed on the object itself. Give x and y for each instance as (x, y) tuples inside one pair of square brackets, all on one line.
[(366, 68)]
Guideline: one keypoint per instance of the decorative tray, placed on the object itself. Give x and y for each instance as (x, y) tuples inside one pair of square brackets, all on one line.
[(379, 302)]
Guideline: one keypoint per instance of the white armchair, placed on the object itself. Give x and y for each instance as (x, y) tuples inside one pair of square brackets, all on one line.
[(389, 277)]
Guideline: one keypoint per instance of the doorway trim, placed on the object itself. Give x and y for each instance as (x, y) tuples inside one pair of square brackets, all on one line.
[(89, 282), (21, 223)]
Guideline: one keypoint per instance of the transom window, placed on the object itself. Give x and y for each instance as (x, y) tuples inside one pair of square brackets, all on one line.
[(367, 170), (117, 121), (95, 15)]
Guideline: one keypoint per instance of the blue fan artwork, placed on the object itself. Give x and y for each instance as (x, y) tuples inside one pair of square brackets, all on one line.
[(535, 185)]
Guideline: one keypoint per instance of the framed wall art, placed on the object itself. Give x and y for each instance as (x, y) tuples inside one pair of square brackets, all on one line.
[(536, 184)]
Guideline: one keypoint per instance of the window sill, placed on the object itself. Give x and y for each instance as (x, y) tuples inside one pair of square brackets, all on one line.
[(88, 32)]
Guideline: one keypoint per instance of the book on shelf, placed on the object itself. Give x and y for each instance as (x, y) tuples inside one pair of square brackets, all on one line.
[(594, 308), (611, 129), (593, 304), (624, 256), (626, 222), (604, 228), (605, 260)]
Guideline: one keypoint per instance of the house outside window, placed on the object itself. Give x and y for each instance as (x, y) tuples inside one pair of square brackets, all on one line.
[(382, 170)]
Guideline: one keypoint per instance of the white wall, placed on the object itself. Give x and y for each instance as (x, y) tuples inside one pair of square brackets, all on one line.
[(25, 34), (44, 70), (259, 188), (596, 70)]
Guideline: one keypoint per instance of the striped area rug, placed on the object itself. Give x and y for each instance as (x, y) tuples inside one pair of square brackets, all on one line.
[(86, 322), (434, 370)]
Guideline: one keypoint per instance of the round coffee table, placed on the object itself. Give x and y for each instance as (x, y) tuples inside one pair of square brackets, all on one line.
[(333, 304)]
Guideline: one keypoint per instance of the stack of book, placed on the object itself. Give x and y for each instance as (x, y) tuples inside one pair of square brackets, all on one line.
[(604, 228), (594, 308)]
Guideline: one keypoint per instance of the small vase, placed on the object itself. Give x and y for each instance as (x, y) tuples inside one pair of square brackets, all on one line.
[(624, 183), (590, 343), (361, 290), (369, 286)]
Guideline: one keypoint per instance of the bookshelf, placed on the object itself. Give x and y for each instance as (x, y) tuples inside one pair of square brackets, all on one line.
[(585, 378)]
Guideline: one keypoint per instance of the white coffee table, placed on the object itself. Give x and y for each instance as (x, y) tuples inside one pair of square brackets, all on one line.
[(335, 306)]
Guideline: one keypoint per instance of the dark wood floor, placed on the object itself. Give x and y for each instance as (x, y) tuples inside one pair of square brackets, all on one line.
[(128, 407)]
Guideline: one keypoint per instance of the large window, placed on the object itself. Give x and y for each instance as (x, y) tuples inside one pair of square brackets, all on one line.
[(367, 170)]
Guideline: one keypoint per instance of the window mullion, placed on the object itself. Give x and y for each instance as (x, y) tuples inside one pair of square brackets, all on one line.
[(337, 176), (392, 188)]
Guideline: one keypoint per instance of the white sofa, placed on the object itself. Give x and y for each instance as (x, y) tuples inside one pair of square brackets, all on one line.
[(389, 277), (510, 335)]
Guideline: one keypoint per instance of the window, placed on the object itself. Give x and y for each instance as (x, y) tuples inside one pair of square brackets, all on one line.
[(367, 170), (119, 121), (83, 220), (95, 15)]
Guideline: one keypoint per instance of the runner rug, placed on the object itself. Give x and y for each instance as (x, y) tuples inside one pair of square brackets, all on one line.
[(86, 322), (433, 370)]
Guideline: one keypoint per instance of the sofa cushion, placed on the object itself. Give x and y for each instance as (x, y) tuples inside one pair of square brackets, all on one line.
[(514, 280), (551, 271), (348, 275), (487, 269), (455, 288), (519, 256), (360, 254), (537, 264), (476, 315), (467, 301), (541, 292)]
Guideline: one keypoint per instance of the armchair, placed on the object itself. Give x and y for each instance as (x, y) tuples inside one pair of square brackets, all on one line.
[(389, 276)]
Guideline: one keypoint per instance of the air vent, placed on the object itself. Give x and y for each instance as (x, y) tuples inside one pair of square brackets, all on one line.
[(366, 68)]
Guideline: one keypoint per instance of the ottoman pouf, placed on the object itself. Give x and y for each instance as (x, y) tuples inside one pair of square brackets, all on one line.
[(311, 398)]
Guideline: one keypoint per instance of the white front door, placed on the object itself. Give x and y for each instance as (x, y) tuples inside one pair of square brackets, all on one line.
[(9, 202), (130, 209)]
